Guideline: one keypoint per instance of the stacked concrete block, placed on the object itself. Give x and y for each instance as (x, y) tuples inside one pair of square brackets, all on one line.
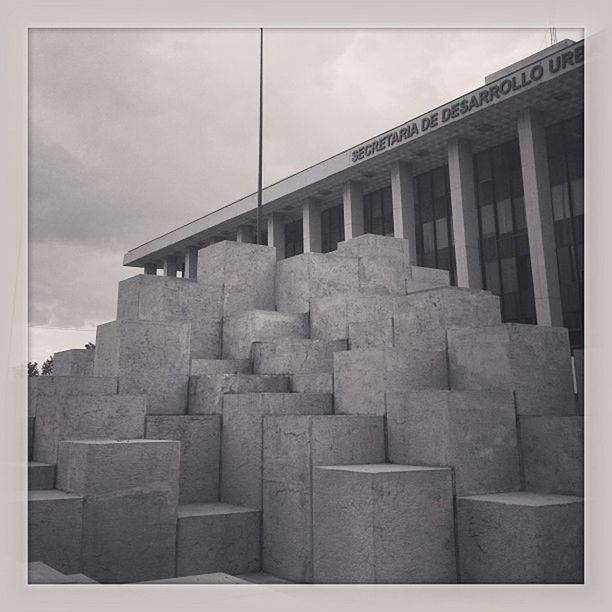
[(86, 417), (54, 529), (241, 330), (362, 377), (473, 432), (522, 537), (220, 366), (217, 537), (579, 374), (245, 272), (292, 446), (73, 362), (291, 356), (531, 360), (150, 357), (426, 278), (242, 446), (383, 524), (374, 245), (206, 393), (41, 476), (312, 383), (200, 438), (41, 573), (552, 452), (130, 492)]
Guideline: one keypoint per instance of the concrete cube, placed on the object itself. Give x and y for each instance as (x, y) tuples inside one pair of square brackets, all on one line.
[(86, 417), (312, 383), (130, 491), (328, 316), (290, 356), (292, 446), (242, 447), (241, 330), (41, 476), (531, 360), (552, 451), (149, 357), (426, 278), (206, 393), (362, 377), (384, 274), (579, 373), (313, 275), (217, 537), (374, 245), (54, 529), (73, 362), (200, 438), (532, 538), (371, 334), (473, 432), (383, 524), (244, 271), (220, 366)]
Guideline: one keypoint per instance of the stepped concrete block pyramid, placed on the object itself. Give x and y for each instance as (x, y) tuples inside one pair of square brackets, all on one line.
[(328, 418)]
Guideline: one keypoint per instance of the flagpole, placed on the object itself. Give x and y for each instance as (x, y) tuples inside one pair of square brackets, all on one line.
[(260, 171)]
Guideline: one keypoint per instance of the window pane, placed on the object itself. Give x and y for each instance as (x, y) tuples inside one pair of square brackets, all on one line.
[(441, 233)]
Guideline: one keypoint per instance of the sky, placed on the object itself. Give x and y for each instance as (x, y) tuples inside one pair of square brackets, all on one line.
[(134, 132)]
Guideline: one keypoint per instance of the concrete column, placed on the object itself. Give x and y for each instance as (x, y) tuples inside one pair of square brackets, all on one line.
[(352, 198), (170, 265), (245, 233), (191, 263), (150, 268), (403, 196), (276, 234), (538, 211), (311, 223), (465, 214)]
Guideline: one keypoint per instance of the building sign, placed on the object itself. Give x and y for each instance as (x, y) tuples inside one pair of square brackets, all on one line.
[(505, 87)]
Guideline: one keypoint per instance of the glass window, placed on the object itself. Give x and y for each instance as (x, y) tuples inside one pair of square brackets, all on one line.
[(378, 212), (332, 228), (294, 238)]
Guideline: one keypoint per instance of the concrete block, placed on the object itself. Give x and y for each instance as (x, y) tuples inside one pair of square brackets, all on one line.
[(579, 373), (531, 538), (362, 377), (312, 383), (41, 573), (30, 437), (54, 529), (328, 316), (214, 578), (86, 417), (552, 451), (244, 271), (262, 578), (148, 356), (130, 491), (374, 245), (383, 524), (384, 274), (313, 275), (426, 278), (241, 330), (531, 360), (290, 356), (220, 366), (200, 438), (473, 432), (206, 393), (217, 538), (242, 447), (74, 362), (292, 446), (41, 476), (371, 334)]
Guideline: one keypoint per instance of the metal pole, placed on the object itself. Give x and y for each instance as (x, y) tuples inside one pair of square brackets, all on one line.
[(260, 172)]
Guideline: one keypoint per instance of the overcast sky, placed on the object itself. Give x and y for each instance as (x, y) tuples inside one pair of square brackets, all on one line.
[(135, 132)]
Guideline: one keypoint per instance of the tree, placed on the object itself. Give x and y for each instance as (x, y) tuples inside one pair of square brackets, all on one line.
[(33, 368), (47, 367), (90, 346)]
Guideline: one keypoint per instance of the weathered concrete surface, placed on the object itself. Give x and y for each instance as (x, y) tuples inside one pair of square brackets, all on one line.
[(217, 537), (552, 451), (244, 271), (86, 417), (383, 524), (130, 491), (328, 316), (312, 383), (531, 360), (292, 446), (41, 476), (200, 438), (371, 334), (579, 370), (426, 278), (220, 366), (262, 578), (41, 573), (523, 537), (206, 393), (473, 432), (214, 578), (73, 362), (54, 529), (291, 356), (384, 274), (374, 245), (149, 357), (241, 330), (313, 275), (242, 447), (362, 377), (66, 386), (30, 436)]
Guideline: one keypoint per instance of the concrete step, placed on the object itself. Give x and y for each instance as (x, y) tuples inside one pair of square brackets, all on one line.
[(242, 445), (312, 383), (206, 392), (86, 417), (383, 523), (201, 367), (73, 362), (41, 573), (41, 476), (217, 537), (530, 538), (291, 356), (214, 578), (241, 330)]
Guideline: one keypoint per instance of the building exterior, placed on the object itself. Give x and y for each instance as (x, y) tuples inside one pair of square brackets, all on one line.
[(488, 186)]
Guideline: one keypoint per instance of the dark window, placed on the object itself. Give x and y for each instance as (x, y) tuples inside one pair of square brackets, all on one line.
[(378, 212), (332, 228), (294, 238)]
